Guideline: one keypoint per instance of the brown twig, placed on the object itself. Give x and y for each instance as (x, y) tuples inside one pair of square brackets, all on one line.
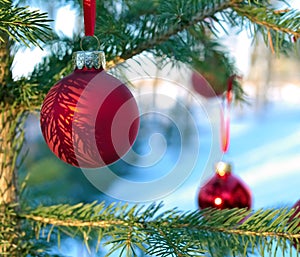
[(269, 26), (271, 42)]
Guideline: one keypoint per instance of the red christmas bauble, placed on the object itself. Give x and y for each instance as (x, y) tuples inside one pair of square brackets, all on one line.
[(89, 119), (224, 190), (297, 207), (202, 86)]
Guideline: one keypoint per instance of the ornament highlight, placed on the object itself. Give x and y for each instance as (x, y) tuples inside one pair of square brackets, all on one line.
[(89, 119), (224, 190)]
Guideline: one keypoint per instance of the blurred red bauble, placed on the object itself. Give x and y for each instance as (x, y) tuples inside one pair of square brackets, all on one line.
[(297, 207), (89, 119), (224, 190), (203, 87)]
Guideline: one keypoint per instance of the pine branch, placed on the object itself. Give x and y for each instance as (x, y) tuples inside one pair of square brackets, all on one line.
[(15, 241), (170, 232), (170, 18), (168, 28), (23, 25), (286, 21), (278, 27), (210, 9)]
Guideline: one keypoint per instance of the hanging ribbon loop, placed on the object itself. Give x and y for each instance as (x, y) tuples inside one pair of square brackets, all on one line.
[(225, 115), (89, 13), (225, 126)]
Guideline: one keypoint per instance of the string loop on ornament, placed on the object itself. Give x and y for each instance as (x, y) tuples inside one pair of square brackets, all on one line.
[(87, 37), (225, 115), (225, 124)]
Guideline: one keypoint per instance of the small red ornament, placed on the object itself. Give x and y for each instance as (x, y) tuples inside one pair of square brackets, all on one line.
[(294, 39), (202, 86), (224, 190), (89, 119), (297, 207)]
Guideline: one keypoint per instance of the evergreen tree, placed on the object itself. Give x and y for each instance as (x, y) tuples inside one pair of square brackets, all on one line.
[(181, 30)]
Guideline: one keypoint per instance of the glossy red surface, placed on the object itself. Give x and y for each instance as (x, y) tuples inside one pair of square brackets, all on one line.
[(89, 118), (226, 191), (202, 87), (297, 207)]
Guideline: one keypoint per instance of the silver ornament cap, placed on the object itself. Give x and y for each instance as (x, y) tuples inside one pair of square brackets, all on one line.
[(88, 59)]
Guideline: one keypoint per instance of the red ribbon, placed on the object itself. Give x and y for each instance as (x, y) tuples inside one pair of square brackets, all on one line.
[(225, 116), (89, 13)]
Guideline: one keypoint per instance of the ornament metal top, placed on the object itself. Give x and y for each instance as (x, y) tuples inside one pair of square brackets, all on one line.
[(88, 59), (223, 168)]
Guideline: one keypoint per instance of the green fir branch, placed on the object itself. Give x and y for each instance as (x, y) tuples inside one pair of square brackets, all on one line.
[(163, 20), (179, 30), (278, 27), (168, 24), (284, 21), (172, 232), (23, 25)]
